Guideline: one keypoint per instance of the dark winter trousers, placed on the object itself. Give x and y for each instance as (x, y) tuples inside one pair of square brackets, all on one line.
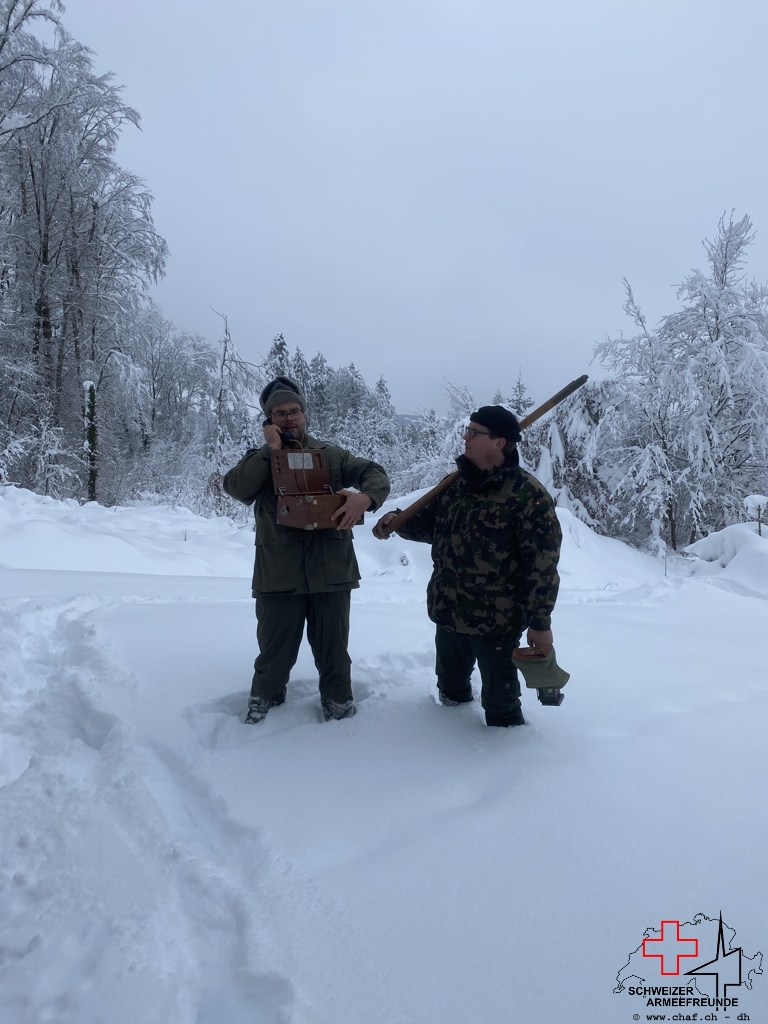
[(280, 627), (457, 654)]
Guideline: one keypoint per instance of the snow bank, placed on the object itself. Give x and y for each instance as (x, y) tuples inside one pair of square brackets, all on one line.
[(591, 562), (736, 556), (43, 533)]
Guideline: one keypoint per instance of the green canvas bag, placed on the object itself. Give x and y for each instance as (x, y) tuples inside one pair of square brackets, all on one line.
[(541, 672)]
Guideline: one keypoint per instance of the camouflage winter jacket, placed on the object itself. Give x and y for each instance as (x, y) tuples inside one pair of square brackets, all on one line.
[(293, 561), (495, 546)]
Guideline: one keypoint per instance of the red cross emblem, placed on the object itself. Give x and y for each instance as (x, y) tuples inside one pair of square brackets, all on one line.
[(670, 948)]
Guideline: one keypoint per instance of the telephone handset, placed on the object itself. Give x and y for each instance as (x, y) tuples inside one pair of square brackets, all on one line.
[(287, 435)]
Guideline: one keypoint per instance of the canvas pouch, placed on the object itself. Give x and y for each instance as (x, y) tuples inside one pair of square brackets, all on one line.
[(539, 667)]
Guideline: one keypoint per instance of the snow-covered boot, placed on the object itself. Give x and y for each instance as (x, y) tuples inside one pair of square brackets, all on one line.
[(258, 708), (335, 710)]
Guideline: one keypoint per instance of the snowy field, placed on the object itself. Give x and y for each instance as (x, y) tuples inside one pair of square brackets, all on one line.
[(160, 862)]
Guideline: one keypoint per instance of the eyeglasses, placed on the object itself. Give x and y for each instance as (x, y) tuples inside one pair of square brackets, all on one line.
[(471, 432), (290, 414)]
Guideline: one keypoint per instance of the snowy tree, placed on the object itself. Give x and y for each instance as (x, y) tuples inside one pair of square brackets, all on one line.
[(278, 361), (53, 461), (318, 395), (430, 444), (237, 384), (684, 428), (757, 506), (23, 59), (80, 248), (13, 449), (302, 374), (520, 402)]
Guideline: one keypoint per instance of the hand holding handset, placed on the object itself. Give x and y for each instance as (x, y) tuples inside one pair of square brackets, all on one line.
[(274, 436)]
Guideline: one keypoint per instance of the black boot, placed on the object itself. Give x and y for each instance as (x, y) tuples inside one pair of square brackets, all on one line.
[(259, 706), (514, 717), (452, 698)]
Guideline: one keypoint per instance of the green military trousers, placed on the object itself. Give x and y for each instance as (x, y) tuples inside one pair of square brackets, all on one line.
[(280, 627), (457, 654)]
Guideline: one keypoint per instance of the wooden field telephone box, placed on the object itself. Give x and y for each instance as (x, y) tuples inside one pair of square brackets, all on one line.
[(302, 481)]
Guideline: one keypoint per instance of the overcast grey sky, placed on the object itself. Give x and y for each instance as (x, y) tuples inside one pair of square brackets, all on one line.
[(438, 188)]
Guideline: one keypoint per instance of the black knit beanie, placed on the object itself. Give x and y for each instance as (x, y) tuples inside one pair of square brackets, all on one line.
[(500, 421), (279, 390)]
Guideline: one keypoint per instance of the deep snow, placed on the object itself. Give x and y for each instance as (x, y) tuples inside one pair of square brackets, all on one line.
[(161, 862)]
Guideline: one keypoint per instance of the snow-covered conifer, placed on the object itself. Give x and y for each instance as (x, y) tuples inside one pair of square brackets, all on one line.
[(684, 428), (520, 402)]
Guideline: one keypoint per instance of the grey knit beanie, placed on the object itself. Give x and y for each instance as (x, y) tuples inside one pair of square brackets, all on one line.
[(279, 390)]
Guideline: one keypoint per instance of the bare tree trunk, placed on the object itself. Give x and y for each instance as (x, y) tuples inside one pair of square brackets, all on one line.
[(672, 525), (91, 437), (58, 387)]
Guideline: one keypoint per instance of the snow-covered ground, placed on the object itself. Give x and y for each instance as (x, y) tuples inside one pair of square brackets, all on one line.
[(160, 862)]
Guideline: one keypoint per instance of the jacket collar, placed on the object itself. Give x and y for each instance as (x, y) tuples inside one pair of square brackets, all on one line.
[(477, 480)]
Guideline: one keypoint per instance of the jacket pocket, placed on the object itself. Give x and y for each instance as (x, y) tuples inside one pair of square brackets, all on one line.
[(277, 568), (339, 557)]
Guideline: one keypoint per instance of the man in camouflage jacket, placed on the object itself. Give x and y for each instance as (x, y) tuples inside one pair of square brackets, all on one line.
[(495, 546), (300, 576)]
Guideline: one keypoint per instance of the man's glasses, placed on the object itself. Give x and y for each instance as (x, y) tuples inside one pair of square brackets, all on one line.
[(290, 414), (471, 432)]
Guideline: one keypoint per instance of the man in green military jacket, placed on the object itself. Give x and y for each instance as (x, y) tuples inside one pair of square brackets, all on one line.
[(495, 546), (302, 576)]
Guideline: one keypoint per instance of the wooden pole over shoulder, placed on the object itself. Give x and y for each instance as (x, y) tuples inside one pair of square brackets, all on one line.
[(445, 483), (553, 401)]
